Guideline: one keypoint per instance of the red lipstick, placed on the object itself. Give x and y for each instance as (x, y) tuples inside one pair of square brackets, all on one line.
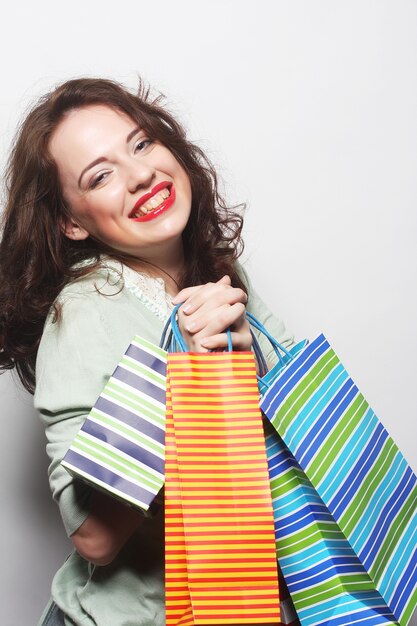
[(154, 213)]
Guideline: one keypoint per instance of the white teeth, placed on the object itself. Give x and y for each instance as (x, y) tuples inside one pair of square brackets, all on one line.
[(156, 200), (153, 203)]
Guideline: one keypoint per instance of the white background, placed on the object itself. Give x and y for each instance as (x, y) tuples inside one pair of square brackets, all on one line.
[(308, 108)]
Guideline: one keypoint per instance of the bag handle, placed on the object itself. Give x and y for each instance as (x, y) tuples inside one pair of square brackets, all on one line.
[(173, 341), (259, 355), (278, 347)]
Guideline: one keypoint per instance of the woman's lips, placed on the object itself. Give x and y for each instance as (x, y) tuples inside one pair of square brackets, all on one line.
[(145, 209)]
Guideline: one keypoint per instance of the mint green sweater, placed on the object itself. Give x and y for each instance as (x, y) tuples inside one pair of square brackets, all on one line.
[(101, 313)]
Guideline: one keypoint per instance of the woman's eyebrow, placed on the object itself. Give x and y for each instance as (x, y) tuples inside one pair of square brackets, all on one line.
[(133, 133), (101, 159)]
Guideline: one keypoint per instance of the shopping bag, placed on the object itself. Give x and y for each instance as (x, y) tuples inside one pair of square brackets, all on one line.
[(220, 554), (327, 582), (361, 480), (120, 447)]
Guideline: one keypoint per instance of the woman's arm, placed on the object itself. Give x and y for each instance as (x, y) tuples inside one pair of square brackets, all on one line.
[(77, 355), (106, 529)]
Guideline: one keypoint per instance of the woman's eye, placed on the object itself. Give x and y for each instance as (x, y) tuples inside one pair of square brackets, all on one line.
[(142, 145), (97, 180)]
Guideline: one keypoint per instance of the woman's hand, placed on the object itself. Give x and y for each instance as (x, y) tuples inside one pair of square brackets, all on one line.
[(208, 311)]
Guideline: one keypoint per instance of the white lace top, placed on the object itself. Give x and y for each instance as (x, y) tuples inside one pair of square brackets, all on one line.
[(150, 290)]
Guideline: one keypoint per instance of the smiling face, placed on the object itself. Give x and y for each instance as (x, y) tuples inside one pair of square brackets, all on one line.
[(122, 188)]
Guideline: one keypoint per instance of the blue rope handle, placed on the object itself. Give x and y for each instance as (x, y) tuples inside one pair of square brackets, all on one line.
[(178, 338), (259, 355), (278, 348), (173, 341), (166, 337)]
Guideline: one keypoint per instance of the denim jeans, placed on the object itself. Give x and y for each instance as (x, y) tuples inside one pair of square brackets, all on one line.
[(54, 617)]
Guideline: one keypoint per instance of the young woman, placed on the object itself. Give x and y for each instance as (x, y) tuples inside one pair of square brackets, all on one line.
[(112, 217)]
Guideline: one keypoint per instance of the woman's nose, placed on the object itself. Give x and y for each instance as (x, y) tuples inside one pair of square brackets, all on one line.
[(139, 174)]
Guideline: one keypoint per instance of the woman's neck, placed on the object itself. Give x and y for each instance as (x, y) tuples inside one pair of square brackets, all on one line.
[(169, 267)]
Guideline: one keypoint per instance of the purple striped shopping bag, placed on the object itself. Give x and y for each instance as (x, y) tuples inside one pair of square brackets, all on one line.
[(121, 446)]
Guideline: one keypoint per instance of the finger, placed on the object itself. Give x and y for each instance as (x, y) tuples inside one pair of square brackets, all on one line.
[(214, 321), (242, 323), (186, 293), (213, 296), (240, 341)]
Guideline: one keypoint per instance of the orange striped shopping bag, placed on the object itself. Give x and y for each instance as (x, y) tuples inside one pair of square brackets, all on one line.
[(220, 548)]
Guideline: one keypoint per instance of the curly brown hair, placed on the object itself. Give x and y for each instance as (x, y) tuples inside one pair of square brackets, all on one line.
[(36, 258)]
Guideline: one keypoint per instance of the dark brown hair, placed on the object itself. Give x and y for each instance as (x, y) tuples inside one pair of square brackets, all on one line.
[(37, 259)]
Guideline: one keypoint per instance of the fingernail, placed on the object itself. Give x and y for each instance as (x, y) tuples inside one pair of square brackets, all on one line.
[(186, 308), (190, 327)]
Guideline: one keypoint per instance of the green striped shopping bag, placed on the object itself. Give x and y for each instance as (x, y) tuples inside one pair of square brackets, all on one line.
[(121, 445), (352, 484)]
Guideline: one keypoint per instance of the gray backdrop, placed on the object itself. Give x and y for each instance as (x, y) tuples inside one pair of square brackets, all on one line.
[(308, 107)]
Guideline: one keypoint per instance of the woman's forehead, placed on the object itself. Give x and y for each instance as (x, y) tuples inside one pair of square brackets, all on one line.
[(89, 133), (93, 120)]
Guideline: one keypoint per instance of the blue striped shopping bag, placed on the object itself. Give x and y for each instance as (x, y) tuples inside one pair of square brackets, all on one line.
[(327, 582), (351, 479), (121, 445)]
